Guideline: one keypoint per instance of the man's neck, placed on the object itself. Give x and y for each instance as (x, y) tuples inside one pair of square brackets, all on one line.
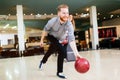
[(62, 22)]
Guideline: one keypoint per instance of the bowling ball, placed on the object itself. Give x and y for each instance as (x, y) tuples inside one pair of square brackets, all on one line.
[(82, 65), (65, 41)]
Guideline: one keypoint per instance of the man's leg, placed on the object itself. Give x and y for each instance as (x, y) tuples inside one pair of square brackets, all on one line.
[(48, 53), (61, 55), (52, 49)]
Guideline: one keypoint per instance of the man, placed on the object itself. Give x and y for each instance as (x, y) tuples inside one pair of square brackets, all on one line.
[(59, 31)]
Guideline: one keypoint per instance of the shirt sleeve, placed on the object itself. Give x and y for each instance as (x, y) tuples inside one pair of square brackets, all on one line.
[(48, 26), (71, 36)]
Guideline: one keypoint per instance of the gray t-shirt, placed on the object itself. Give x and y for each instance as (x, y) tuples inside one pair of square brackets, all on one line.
[(60, 31)]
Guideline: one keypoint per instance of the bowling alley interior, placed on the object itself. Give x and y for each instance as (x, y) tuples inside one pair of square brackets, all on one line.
[(96, 31)]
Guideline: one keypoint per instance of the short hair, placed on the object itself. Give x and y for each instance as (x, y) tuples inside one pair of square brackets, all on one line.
[(62, 6)]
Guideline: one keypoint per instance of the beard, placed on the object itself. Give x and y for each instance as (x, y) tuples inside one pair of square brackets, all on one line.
[(64, 19)]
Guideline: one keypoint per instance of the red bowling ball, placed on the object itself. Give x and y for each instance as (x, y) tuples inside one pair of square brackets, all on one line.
[(82, 65), (65, 41)]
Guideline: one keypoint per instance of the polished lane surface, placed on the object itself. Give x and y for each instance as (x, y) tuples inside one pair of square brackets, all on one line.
[(104, 65)]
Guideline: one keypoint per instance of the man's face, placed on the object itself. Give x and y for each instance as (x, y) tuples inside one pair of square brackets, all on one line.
[(63, 14)]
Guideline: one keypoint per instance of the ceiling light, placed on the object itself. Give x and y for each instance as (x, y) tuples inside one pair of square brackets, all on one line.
[(87, 9), (9, 14), (98, 13), (111, 16), (14, 27), (51, 13), (104, 18), (76, 14), (6, 26), (45, 14), (38, 15)]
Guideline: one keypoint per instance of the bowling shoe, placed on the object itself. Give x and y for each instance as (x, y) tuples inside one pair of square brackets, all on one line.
[(41, 65), (61, 75)]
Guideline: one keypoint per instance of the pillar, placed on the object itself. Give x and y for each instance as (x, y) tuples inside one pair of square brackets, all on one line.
[(21, 29), (94, 27)]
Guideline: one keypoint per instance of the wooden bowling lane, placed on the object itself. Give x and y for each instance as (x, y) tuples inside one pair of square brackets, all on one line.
[(104, 65)]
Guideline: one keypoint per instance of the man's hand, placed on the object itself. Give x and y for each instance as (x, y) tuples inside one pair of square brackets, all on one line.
[(42, 38), (78, 56), (41, 44)]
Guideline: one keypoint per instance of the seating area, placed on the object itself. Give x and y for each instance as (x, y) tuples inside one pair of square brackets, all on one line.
[(109, 43), (31, 49), (8, 51)]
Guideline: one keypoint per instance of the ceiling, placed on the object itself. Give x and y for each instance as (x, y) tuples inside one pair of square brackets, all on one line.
[(49, 6), (105, 8)]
